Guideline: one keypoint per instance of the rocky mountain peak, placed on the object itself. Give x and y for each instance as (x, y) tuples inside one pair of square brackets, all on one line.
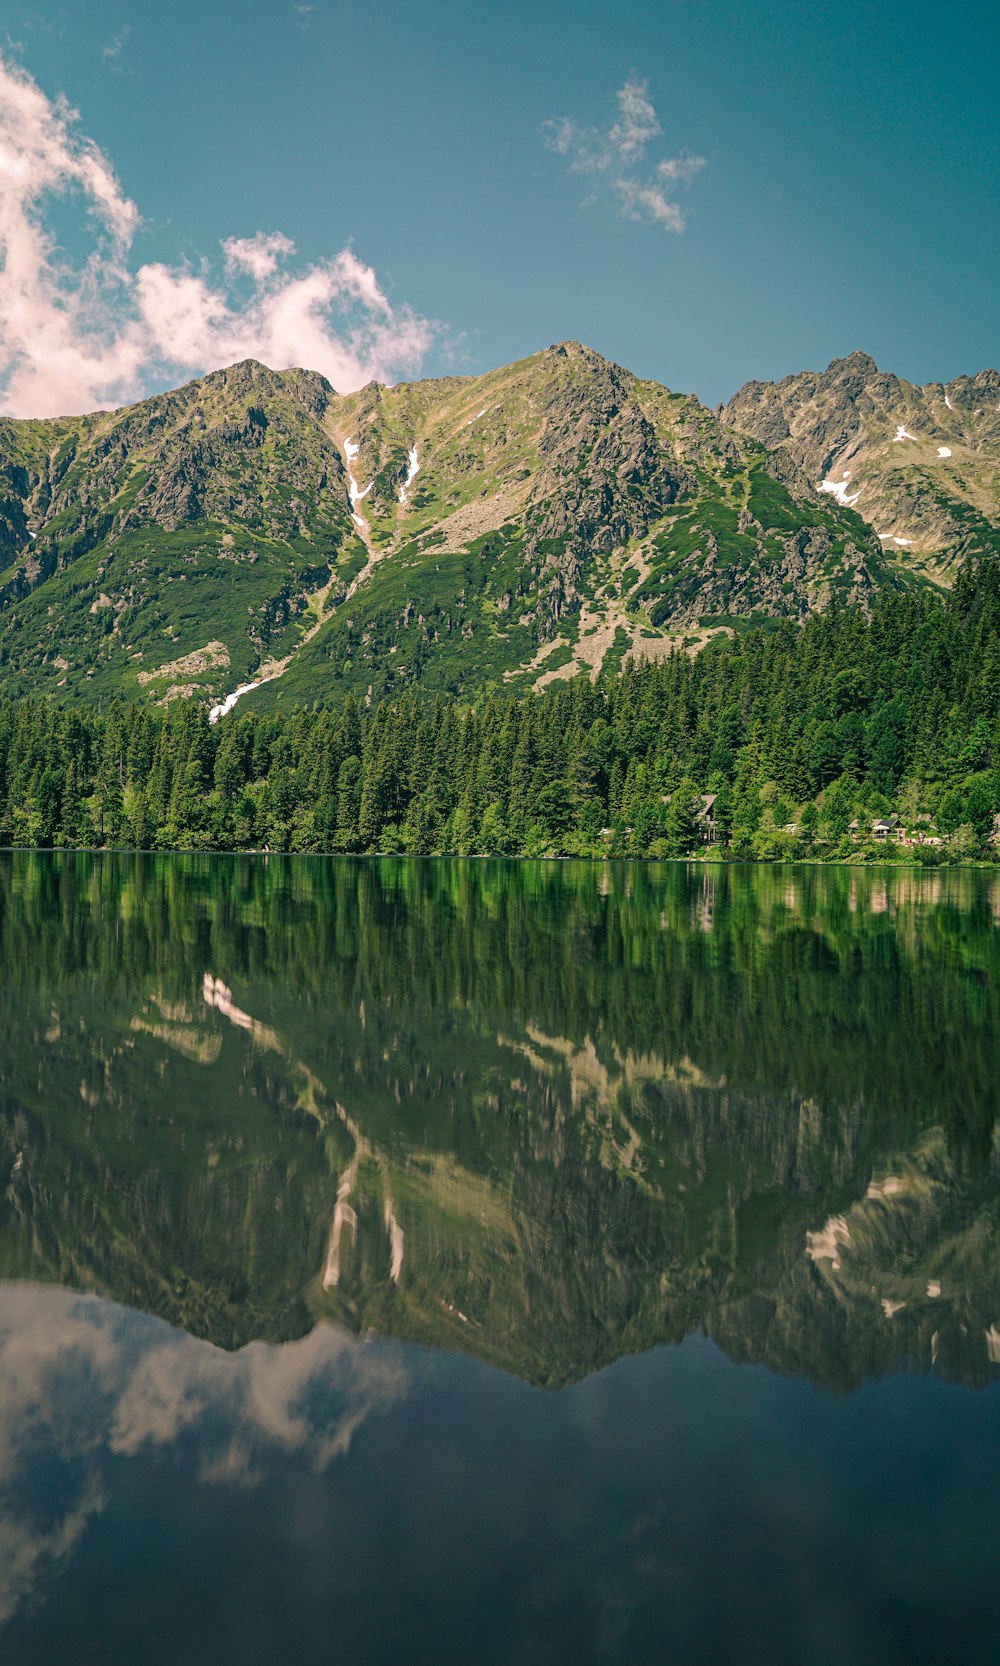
[(921, 464), (553, 515), (856, 363)]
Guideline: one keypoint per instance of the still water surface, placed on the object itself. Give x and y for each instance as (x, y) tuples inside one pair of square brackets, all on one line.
[(510, 1263)]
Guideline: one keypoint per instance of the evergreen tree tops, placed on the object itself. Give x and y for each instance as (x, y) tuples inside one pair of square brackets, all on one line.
[(798, 733)]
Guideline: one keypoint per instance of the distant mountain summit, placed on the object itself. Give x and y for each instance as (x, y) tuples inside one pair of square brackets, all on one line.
[(921, 464), (255, 533)]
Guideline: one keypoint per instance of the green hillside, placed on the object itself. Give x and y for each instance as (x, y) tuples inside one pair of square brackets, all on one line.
[(464, 535), (798, 732)]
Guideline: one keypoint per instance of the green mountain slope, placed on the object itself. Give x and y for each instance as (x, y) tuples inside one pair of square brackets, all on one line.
[(475, 532), (565, 516), (165, 549)]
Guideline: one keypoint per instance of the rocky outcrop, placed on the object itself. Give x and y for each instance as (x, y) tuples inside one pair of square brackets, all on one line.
[(921, 464)]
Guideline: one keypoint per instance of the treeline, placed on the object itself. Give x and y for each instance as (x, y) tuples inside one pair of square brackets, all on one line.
[(850, 717)]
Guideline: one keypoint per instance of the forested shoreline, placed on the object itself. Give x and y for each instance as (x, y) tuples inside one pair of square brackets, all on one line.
[(798, 731)]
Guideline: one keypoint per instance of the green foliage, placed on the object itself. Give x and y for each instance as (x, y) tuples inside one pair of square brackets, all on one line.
[(800, 732)]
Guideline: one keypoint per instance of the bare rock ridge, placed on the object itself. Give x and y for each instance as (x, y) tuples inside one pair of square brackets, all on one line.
[(921, 464), (464, 533)]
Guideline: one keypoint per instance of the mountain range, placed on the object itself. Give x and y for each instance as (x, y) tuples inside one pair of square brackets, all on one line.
[(255, 534)]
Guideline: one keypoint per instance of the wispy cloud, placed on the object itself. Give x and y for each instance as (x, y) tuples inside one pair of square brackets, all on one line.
[(74, 337), (304, 16), (617, 158), (112, 52)]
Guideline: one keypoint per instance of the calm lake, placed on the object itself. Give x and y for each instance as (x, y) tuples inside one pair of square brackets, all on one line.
[(458, 1262)]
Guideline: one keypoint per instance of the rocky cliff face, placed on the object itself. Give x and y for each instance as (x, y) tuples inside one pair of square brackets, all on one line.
[(921, 464), (558, 514)]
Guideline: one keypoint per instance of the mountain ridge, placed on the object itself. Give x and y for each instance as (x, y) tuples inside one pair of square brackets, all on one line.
[(255, 530), (936, 496)]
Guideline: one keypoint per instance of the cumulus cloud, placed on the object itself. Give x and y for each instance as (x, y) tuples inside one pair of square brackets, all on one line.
[(617, 157), (257, 255), (103, 330)]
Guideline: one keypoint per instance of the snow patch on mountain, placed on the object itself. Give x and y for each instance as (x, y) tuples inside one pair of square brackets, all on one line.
[(413, 470), (351, 451), (225, 706), (838, 490)]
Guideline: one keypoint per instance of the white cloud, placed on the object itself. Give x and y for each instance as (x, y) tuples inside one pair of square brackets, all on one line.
[(112, 52), (637, 124), (257, 255), (103, 331), (617, 157)]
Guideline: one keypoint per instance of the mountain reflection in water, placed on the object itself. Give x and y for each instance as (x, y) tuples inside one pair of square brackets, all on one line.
[(547, 1114), (539, 1117)]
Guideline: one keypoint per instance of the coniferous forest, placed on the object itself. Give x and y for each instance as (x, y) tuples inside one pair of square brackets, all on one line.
[(797, 731)]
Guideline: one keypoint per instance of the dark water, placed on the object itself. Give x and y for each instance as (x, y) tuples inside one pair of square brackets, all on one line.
[(470, 1262)]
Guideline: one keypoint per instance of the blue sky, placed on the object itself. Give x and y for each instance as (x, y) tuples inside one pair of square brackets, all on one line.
[(703, 190)]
